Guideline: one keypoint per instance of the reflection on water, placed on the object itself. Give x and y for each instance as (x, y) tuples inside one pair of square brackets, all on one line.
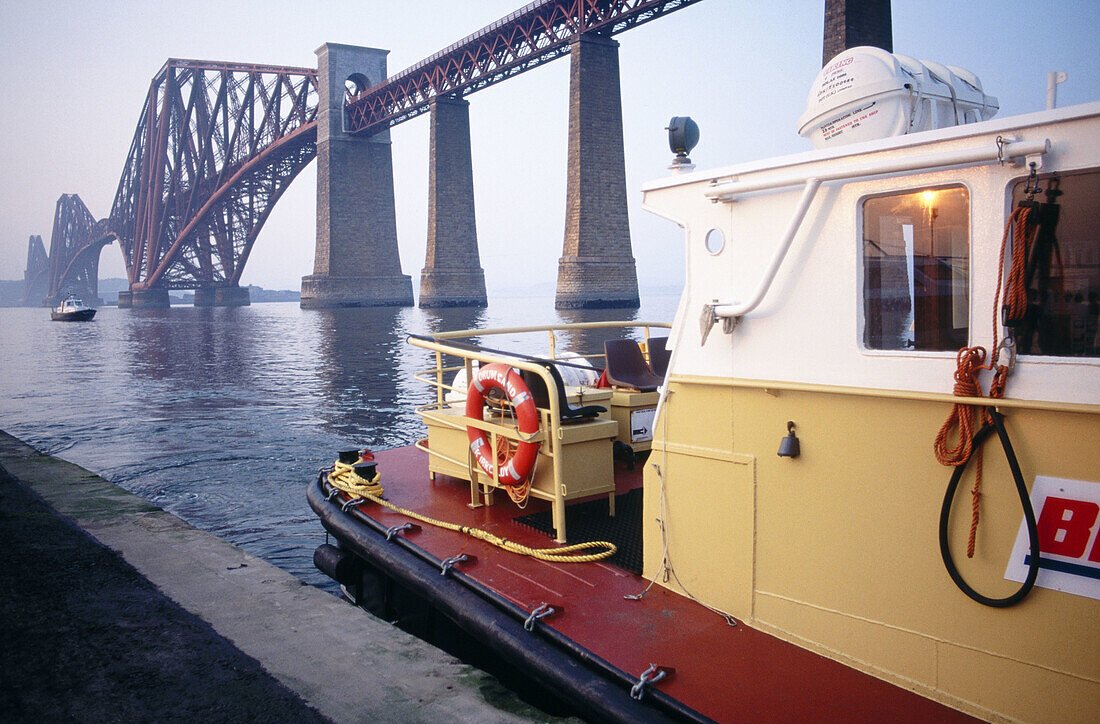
[(221, 415), (449, 319), (593, 339), (361, 372)]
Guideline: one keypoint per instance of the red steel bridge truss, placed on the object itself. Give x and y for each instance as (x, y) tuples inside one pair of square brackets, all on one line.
[(535, 34), (37, 272), (72, 266), (75, 244), (215, 147), (218, 143)]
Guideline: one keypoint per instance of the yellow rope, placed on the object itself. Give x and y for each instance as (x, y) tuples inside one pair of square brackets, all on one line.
[(343, 476)]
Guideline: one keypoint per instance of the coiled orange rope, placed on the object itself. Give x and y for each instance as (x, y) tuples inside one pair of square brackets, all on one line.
[(966, 418), (971, 361), (1015, 292), (969, 364)]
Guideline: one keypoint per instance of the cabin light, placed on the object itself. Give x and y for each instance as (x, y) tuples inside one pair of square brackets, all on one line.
[(788, 446), (927, 197), (683, 135)]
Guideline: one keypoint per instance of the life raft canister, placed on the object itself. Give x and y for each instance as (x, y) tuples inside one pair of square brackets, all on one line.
[(516, 468)]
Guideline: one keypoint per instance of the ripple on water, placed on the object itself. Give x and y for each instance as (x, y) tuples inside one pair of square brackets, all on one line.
[(223, 416)]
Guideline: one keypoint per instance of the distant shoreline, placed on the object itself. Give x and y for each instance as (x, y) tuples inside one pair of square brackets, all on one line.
[(11, 292)]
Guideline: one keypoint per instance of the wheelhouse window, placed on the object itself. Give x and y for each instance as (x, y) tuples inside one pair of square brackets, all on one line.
[(1063, 269), (916, 267)]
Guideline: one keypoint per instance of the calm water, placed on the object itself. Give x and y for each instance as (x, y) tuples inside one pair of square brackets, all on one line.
[(222, 416)]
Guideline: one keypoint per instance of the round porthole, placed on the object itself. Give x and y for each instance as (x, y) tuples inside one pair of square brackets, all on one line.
[(715, 241)]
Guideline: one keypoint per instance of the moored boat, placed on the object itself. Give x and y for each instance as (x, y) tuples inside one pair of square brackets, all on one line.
[(909, 317), (72, 310)]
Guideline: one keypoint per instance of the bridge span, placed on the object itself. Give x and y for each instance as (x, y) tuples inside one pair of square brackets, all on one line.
[(72, 265), (218, 143), (355, 172)]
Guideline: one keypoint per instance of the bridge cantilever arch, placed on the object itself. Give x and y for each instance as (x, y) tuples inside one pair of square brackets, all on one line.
[(218, 143), (35, 276), (72, 266), (215, 147)]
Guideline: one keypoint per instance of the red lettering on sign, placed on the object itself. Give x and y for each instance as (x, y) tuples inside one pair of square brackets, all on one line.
[(838, 65), (1074, 519)]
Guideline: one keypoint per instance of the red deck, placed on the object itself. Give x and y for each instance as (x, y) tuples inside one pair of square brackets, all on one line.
[(727, 673)]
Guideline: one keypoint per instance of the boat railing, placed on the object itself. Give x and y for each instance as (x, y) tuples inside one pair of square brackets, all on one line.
[(499, 428), (450, 343)]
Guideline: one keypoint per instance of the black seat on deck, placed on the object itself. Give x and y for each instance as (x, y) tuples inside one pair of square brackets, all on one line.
[(658, 355), (541, 395), (626, 367)]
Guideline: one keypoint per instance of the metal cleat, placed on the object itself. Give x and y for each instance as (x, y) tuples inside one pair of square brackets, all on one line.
[(451, 562), (410, 527), (352, 502), (543, 610), (651, 675)]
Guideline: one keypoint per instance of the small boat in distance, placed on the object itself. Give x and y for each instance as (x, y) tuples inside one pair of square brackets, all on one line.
[(72, 310)]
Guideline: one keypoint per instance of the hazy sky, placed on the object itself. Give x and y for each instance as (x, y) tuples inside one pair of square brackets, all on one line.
[(73, 76)]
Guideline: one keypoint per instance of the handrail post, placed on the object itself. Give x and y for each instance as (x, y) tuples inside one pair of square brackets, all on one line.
[(558, 518), (439, 396)]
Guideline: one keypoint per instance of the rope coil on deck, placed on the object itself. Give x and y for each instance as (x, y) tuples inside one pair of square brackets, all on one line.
[(344, 477)]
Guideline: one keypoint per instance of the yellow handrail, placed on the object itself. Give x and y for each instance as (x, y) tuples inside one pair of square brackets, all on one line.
[(461, 333)]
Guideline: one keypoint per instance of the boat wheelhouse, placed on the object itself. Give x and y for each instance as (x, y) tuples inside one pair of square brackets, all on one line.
[(72, 310), (834, 290)]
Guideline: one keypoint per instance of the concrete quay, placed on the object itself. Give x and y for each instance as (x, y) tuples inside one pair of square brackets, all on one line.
[(132, 614)]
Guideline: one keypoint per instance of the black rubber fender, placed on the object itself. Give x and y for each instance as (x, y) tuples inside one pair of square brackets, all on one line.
[(576, 673)]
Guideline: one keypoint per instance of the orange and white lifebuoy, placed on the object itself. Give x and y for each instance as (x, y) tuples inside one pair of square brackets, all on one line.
[(514, 469)]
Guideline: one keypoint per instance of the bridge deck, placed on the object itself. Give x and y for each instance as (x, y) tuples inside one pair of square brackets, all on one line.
[(537, 33)]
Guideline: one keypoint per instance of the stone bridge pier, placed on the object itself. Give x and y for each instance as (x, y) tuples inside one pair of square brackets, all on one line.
[(356, 263), (452, 274), (596, 268)]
